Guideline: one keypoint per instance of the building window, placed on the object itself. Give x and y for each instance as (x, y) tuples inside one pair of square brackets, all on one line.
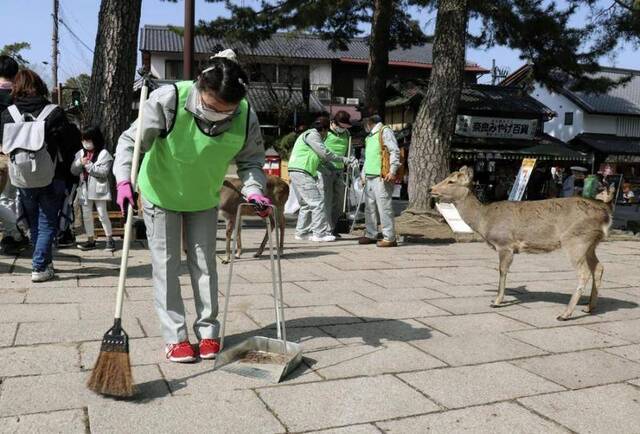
[(173, 69), (263, 72), (292, 74), (568, 118), (359, 88)]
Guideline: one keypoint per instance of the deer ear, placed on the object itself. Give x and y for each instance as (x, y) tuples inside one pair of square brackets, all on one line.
[(468, 174)]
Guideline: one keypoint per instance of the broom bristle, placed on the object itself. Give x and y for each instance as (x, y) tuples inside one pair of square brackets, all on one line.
[(112, 375)]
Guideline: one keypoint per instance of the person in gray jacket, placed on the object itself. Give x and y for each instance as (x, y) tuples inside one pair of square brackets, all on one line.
[(192, 132), (93, 165), (379, 186)]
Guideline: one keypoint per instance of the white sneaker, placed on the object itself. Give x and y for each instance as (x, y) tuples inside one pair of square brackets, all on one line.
[(43, 276), (322, 238), (303, 237)]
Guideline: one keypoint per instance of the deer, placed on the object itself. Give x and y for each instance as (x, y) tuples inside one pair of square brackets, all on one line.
[(576, 224), (231, 196)]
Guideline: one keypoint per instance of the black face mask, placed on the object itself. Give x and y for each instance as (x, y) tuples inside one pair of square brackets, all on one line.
[(579, 183)]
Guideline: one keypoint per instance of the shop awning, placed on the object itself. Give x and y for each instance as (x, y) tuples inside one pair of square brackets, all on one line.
[(608, 144)]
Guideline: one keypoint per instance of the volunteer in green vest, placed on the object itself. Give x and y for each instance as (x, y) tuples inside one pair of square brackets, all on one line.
[(379, 190), (192, 131), (308, 152), (330, 175)]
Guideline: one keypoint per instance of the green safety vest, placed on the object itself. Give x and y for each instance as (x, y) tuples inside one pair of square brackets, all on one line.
[(302, 158), (338, 143), (184, 170), (373, 154)]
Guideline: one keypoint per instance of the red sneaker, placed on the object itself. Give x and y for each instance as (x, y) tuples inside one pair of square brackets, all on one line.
[(209, 348), (181, 352)]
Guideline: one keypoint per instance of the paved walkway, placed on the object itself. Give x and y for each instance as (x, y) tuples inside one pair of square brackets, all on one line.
[(400, 340)]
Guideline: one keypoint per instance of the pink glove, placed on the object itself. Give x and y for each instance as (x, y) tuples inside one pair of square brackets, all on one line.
[(262, 204), (124, 196)]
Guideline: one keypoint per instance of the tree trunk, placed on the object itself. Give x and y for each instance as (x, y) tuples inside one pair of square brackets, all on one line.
[(114, 63), (436, 119), (378, 56)]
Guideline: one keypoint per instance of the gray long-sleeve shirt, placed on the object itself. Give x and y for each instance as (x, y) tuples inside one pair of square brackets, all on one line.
[(315, 142), (159, 114), (389, 140)]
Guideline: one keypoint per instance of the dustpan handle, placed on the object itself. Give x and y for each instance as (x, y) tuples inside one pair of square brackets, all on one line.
[(276, 280), (227, 292)]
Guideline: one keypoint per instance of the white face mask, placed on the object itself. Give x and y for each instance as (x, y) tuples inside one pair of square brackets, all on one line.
[(339, 130), (212, 115), (87, 145)]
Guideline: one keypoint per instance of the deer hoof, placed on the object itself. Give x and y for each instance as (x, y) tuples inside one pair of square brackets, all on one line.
[(498, 305), (225, 261), (588, 310), (257, 255), (563, 317)]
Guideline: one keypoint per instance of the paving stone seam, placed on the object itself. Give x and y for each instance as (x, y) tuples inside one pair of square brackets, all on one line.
[(271, 410), (302, 287), (374, 283), (435, 328), (426, 395), (365, 296), (567, 387), (542, 416), (370, 424), (551, 352), (411, 344), (144, 332), (86, 420), (15, 335), (44, 412)]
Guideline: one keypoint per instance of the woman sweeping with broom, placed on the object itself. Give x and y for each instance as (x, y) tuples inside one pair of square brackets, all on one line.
[(191, 133)]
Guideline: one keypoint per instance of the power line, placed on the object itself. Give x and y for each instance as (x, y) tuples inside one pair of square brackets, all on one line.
[(75, 36)]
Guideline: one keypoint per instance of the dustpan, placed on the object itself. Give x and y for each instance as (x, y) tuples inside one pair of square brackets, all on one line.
[(260, 357)]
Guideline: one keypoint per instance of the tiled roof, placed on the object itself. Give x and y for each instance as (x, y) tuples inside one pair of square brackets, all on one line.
[(621, 100), (479, 98), (608, 143), (299, 45)]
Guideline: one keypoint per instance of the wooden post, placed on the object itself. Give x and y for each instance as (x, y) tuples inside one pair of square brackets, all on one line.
[(187, 59)]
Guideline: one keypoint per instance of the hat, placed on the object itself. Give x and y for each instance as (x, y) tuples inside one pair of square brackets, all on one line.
[(579, 169), (342, 119)]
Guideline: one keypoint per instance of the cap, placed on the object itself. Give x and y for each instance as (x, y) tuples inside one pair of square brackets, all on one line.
[(579, 169)]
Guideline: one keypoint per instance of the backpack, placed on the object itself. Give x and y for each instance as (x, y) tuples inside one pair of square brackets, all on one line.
[(386, 160), (31, 165)]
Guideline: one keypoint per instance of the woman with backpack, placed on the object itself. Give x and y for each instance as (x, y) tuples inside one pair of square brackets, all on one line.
[(93, 165), (36, 136)]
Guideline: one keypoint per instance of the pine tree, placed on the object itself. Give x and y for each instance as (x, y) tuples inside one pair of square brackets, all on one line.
[(114, 62)]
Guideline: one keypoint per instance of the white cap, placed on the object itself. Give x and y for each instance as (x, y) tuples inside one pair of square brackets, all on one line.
[(227, 54), (578, 169)]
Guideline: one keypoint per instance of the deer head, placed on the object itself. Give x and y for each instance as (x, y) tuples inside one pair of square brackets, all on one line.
[(454, 187)]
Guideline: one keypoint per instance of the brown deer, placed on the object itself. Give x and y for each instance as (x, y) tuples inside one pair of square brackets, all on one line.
[(574, 224), (230, 198)]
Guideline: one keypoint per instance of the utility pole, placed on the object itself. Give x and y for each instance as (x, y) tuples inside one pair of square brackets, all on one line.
[(54, 44), (187, 57)]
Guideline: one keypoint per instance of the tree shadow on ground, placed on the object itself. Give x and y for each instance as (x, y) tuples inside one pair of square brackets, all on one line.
[(605, 304), (371, 330)]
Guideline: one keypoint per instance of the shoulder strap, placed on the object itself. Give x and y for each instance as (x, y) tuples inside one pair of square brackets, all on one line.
[(46, 111), (15, 113), (380, 139)]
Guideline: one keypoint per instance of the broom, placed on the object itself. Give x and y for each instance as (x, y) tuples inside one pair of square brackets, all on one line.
[(112, 372), (342, 225)]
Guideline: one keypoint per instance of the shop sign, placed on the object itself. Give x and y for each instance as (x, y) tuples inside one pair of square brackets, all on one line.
[(504, 128), (517, 191)]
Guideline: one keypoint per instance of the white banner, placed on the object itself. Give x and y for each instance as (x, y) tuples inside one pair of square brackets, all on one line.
[(506, 128), (517, 191)]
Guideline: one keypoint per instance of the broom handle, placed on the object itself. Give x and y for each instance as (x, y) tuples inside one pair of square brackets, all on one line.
[(129, 223), (346, 180)]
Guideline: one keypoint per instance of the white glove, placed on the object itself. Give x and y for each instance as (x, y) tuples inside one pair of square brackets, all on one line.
[(350, 161)]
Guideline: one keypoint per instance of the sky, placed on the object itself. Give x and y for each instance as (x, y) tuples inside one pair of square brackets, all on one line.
[(30, 21)]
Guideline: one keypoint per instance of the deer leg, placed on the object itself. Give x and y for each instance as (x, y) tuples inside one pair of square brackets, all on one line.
[(239, 249), (229, 233), (597, 271), (264, 240), (584, 273), (506, 258), (282, 222)]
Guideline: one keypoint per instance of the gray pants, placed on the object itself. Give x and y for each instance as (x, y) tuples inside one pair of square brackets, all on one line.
[(164, 234), (311, 217), (332, 184), (378, 196)]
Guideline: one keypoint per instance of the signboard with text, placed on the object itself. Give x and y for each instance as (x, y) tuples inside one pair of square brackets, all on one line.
[(505, 128)]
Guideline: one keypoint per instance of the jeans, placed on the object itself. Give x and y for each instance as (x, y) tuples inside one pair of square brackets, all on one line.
[(42, 206)]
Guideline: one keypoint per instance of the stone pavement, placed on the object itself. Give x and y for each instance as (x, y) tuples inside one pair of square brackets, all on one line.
[(397, 340)]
